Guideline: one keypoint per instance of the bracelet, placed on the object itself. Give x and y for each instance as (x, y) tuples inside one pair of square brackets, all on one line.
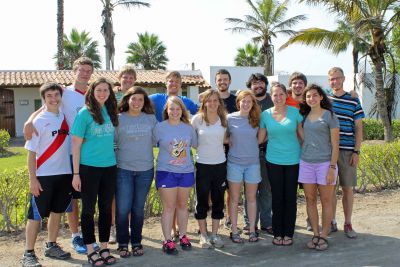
[(76, 173), (332, 167)]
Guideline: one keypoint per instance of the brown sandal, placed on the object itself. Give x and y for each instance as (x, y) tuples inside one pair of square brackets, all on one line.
[(137, 251), (124, 252)]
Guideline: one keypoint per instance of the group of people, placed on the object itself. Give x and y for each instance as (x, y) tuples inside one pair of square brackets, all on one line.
[(96, 143)]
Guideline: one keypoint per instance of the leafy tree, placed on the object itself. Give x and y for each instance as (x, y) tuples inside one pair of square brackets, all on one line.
[(79, 44), (375, 19), (250, 55), (107, 26), (336, 41), (266, 22), (148, 52)]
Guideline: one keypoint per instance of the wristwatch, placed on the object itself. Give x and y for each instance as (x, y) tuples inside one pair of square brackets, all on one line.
[(356, 152)]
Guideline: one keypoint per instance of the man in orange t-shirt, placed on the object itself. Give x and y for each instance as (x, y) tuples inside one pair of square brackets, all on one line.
[(297, 83)]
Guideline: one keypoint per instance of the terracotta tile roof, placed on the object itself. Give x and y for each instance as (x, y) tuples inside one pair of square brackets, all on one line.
[(35, 78)]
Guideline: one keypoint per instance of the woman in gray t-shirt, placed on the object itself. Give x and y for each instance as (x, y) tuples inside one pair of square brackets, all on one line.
[(133, 138), (243, 160), (318, 169)]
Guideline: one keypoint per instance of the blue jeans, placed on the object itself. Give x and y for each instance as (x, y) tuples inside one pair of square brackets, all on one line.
[(130, 195), (264, 198)]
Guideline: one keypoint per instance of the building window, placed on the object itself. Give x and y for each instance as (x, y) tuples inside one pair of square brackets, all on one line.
[(38, 104)]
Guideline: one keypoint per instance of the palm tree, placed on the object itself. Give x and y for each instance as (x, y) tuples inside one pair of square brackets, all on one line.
[(107, 26), (148, 52), (60, 34), (336, 41), (266, 22), (375, 19), (79, 44), (250, 55)]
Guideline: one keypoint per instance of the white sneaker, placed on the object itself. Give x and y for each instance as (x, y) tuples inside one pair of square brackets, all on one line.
[(113, 235), (205, 242), (216, 241)]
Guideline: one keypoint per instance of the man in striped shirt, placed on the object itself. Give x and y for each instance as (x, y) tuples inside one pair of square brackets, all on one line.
[(350, 115)]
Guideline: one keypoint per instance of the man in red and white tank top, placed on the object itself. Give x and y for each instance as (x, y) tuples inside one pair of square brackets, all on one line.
[(50, 180)]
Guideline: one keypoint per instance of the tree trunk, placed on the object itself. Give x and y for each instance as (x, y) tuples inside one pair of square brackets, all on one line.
[(381, 98), (355, 67), (60, 34), (267, 50)]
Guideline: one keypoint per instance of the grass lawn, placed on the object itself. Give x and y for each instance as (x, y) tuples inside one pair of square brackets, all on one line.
[(17, 160)]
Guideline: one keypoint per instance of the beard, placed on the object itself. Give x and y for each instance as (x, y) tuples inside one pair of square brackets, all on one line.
[(262, 93)]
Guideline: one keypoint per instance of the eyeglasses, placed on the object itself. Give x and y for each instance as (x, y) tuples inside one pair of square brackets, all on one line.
[(335, 78)]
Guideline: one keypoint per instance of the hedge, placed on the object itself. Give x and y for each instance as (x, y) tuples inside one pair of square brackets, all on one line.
[(373, 129), (379, 169)]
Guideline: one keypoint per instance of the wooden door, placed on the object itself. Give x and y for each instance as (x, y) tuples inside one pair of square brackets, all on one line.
[(7, 115)]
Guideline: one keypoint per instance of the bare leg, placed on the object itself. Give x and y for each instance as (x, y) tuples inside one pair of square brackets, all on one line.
[(73, 217), (182, 210), (234, 194), (310, 191), (113, 212), (325, 192), (251, 196), (215, 226), (202, 226), (168, 198), (53, 226), (32, 230), (347, 201), (334, 203)]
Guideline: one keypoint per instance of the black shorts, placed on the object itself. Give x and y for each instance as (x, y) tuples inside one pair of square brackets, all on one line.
[(56, 196)]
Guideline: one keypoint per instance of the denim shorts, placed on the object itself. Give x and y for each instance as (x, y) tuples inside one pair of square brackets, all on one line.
[(248, 173), (172, 179), (315, 173)]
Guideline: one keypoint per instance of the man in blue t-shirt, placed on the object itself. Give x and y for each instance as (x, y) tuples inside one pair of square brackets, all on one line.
[(174, 84), (350, 115)]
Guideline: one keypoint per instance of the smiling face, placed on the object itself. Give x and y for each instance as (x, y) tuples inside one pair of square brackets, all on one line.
[(83, 73), (336, 80), (136, 103), (222, 81), (259, 88), (297, 87), (52, 100), (127, 81), (313, 98), (174, 111), (101, 93), (173, 85), (212, 103), (246, 104), (278, 96)]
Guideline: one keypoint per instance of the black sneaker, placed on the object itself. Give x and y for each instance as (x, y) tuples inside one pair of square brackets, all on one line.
[(56, 252), (169, 247), (185, 243), (30, 260)]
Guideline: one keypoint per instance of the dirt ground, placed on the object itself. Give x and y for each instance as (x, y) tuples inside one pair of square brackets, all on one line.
[(376, 219)]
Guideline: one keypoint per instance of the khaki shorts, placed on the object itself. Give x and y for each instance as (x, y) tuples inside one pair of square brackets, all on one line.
[(347, 173)]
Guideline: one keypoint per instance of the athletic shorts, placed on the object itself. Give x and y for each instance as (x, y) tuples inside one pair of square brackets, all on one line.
[(56, 196), (250, 174), (166, 179), (315, 173), (347, 173)]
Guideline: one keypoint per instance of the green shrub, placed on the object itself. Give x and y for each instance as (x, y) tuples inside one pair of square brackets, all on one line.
[(373, 129), (4, 139), (14, 198), (379, 166)]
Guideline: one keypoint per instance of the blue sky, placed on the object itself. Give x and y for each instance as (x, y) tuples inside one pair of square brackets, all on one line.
[(192, 30)]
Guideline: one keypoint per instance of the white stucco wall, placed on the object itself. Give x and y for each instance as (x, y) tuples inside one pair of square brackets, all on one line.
[(22, 112)]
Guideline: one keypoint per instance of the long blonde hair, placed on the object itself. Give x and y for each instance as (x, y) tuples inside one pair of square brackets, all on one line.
[(221, 110), (254, 114), (177, 101)]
